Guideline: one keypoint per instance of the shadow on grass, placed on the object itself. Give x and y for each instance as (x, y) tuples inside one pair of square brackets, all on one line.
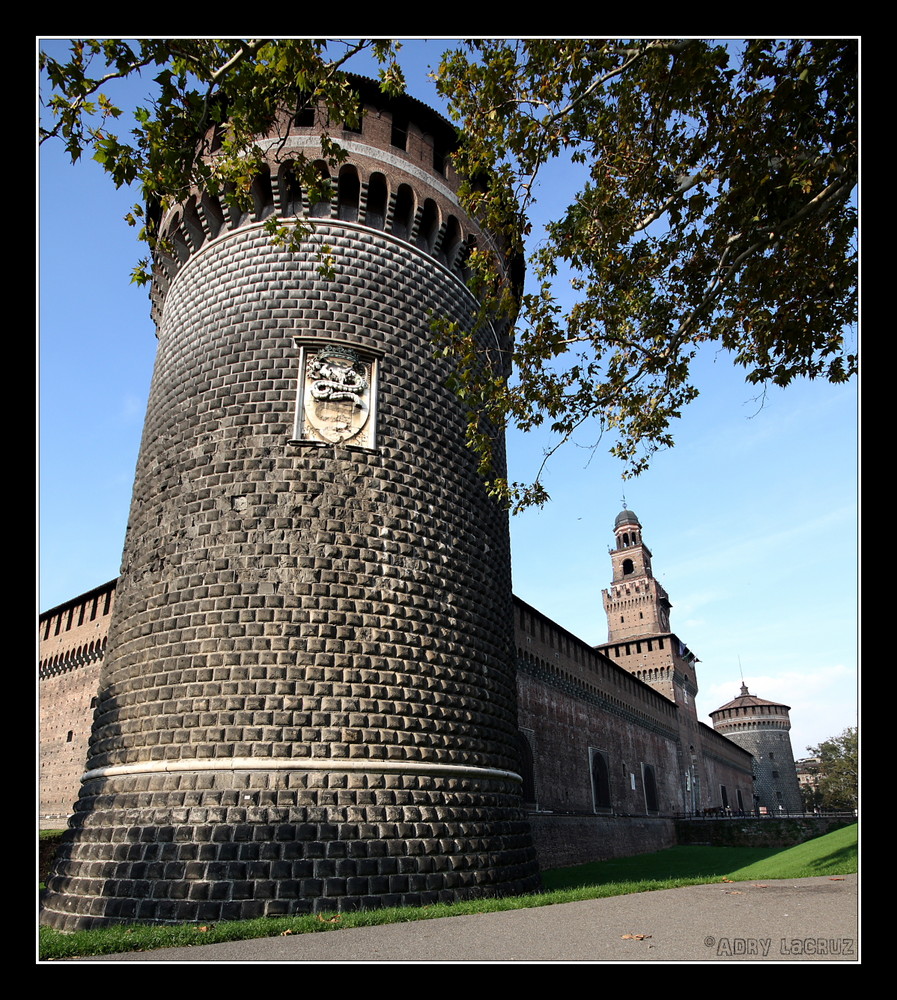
[(834, 853), (677, 862), (835, 859)]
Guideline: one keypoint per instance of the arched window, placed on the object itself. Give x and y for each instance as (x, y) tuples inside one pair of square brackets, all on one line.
[(403, 214), (650, 784), (289, 191), (349, 194), (321, 209), (628, 567), (211, 210), (451, 241), (527, 768), (179, 240), (429, 226), (192, 225), (600, 779), (262, 195), (375, 215)]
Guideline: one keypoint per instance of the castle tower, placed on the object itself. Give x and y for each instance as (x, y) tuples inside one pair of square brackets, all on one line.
[(636, 604), (638, 620), (761, 727), (307, 701), (640, 641)]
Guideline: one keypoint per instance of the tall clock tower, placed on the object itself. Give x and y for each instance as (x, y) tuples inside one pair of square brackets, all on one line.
[(639, 637), (640, 640), (636, 604)]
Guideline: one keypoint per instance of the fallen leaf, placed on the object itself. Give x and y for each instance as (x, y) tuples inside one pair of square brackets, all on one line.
[(734, 892), (836, 878), (759, 886), (634, 937), (284, 933), (330, 920), (202, 930), (727, 880)]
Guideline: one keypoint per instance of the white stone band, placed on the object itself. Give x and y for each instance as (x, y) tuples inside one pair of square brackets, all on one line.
[(302, 764)]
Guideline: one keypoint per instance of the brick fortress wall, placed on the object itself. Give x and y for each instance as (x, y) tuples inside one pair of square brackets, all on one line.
[(72, 646)]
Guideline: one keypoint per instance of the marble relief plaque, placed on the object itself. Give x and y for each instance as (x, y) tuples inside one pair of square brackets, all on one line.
[(336, 397)]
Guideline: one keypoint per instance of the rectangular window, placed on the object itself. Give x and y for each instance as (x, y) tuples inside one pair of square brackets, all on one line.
[(399, 132), (336, 401)]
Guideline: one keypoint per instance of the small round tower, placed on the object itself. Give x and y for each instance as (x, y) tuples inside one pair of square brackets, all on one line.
[(308, 700), (761, 727)]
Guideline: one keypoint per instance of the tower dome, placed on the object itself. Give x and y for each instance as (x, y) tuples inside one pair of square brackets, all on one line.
[(308, 698), (626, 517)]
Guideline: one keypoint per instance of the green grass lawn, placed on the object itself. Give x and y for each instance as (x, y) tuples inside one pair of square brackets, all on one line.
[(833, 854)]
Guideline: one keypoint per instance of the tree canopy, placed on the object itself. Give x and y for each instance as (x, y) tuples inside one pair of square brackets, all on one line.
[(838, 769), (717, 202)]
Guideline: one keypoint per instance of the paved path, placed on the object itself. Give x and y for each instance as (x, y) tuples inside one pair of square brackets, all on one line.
[(793, 920)]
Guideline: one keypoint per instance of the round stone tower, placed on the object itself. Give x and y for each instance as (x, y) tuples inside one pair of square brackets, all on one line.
[(308, 698), (761, 727)]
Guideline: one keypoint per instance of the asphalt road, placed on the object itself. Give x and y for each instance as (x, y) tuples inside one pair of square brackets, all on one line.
[(792, 920)]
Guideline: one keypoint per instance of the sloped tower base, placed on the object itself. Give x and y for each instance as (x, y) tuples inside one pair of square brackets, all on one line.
[(272, 843)]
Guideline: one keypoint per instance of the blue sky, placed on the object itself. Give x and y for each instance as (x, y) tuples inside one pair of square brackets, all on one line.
[(751, 518)]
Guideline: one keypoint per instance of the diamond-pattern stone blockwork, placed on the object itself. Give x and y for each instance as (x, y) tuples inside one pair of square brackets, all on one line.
[(308, 699)]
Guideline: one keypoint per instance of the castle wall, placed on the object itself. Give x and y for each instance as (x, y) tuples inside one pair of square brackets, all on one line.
[(563, 840), (575, 702), (572, 702), (72, 644), (654, 660), (728, 774)]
